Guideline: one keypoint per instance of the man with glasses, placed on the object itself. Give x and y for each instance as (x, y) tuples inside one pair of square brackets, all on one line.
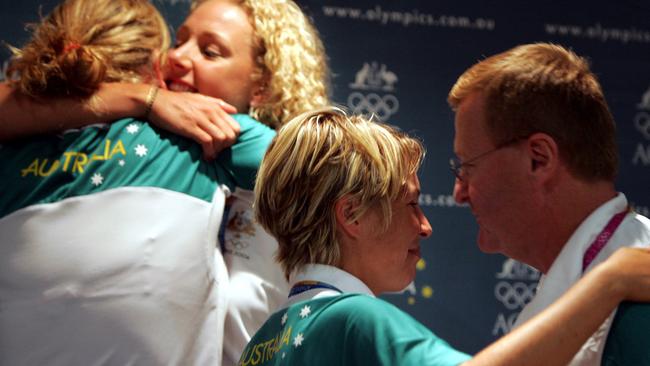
[(536, 162)]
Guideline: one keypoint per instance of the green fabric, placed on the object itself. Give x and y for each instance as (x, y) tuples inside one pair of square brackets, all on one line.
[(127, 153), (349, 329), (628, 341)]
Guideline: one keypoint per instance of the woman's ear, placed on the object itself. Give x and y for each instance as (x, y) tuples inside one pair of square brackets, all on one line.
[(344, 210), (155, 74), (260, 92)]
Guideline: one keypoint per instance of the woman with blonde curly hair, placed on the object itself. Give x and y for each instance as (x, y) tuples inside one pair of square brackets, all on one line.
[(271, 64), (262, 56), (289, 59)]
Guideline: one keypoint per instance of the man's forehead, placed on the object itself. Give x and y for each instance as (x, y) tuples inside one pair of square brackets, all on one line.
[(469, 123)]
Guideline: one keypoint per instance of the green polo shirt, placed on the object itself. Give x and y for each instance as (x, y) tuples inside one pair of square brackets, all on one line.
[(126, 153), (350, 329)]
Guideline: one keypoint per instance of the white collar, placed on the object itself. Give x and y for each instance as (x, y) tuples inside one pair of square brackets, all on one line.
[(331, 275)]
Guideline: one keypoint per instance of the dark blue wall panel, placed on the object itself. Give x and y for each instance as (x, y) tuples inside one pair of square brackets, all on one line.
[(398, 59)]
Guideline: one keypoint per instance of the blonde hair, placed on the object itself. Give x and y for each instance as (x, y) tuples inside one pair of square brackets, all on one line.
[(546, 88), (316, 159), (291, 59), (82, 43)]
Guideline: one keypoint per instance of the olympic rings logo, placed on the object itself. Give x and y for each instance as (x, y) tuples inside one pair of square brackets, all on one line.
[(516, 295), (236, 243), (642, 123), (373, 104)]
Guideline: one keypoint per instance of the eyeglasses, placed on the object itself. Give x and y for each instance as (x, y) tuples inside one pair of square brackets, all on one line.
[(458, 167)]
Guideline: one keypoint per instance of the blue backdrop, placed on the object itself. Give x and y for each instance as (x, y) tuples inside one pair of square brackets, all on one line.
[(398, 59)]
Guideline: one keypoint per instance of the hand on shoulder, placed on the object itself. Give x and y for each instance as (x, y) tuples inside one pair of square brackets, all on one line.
[(201, 118)]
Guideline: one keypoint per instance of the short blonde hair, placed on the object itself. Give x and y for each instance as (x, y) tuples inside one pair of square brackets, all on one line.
[(316, 159), (82, 43), (546, 88), (291, 60)]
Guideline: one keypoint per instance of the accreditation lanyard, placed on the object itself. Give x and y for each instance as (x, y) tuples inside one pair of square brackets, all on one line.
[(603, 238), (303, 286)]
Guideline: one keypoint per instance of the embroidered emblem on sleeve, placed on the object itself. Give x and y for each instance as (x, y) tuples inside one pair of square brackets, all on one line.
[(242, 223)]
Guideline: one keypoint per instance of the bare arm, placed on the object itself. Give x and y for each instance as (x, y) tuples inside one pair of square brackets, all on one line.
[(555, 335), (198, 117), (22, 116)]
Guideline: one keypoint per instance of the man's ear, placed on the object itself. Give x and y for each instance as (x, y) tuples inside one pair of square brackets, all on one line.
[(344, 209), (544, 155)]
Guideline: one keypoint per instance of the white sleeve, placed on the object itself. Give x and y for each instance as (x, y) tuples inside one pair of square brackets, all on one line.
[(257, 283)]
